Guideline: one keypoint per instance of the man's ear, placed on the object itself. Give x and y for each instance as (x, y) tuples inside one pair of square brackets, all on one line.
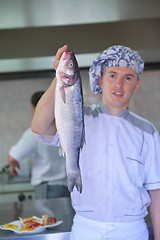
[(100, 81), (137, 85)]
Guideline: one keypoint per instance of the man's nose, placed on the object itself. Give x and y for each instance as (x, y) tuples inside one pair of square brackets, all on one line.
[(119, 82)]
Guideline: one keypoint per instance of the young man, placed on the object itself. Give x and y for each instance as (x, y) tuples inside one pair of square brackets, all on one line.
[(120, 162), (48, 174)]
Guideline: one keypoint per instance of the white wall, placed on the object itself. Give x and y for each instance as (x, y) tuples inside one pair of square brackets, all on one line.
[(15, 110), (146, 102)]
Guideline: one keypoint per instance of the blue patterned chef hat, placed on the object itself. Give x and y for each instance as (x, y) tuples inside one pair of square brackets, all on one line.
[(111, 57)]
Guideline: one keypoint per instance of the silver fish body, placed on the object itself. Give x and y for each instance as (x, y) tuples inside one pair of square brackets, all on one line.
[(69, 116)]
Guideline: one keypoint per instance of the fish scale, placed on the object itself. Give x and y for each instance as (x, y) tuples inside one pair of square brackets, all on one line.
[(69, 116)]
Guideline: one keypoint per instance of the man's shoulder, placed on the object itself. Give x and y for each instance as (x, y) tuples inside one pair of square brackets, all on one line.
[(141, 123), (92, 110)]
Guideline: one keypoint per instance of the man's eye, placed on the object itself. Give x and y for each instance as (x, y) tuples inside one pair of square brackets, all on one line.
[(112, 75), (129, 78)]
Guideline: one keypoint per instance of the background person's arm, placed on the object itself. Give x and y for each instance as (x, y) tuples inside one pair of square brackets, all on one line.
[(13, 165)]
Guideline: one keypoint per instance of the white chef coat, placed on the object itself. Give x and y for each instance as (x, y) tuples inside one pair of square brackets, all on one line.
[(119, 162), (47, 165)]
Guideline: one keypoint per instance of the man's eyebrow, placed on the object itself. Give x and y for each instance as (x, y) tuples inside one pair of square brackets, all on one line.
[(112, 72), (127, 74)]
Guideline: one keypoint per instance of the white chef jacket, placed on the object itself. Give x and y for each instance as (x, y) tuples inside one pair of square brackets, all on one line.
[(47, 165), (119, 162)]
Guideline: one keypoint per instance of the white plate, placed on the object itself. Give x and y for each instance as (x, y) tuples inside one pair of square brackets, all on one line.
[(36, 230)]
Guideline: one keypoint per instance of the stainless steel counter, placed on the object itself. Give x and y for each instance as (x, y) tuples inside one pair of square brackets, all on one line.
[(59, 207), (52, 236)]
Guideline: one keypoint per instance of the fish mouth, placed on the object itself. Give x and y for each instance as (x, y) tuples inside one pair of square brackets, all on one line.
[(68, 80)]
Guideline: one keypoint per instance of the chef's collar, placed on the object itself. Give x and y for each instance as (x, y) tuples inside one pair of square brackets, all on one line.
[(105, 110)]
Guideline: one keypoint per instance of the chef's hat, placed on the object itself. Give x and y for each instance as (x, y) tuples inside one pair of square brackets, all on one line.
[(111, 57)]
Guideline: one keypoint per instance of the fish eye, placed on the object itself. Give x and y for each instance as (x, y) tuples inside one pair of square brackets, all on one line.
[(71, 64)]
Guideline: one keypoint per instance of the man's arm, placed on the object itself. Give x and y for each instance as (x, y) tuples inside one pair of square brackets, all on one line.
[(155, 212), (23, 149), (43, 121)]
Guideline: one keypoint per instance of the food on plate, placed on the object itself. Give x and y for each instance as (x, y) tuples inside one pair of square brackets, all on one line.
[(31, 222), (31, 225), (28, 224), (26, 229), (12, 226), (48, 220)]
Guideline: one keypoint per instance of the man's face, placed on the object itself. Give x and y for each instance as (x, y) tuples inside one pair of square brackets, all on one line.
[(118, 85)]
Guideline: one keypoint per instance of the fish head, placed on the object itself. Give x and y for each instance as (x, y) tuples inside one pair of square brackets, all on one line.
[(67, 69)]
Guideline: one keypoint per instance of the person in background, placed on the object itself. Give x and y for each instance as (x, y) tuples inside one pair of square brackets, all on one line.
[(48, 173), (120, 162)]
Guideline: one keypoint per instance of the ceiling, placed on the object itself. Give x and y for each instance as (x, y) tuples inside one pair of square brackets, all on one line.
[(32, 30)]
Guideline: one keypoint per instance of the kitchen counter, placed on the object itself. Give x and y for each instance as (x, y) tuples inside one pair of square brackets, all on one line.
[(58, 207), (15, 192), (14, 189)]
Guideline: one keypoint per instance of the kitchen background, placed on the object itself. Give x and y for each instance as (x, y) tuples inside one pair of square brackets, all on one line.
[(30, 33)]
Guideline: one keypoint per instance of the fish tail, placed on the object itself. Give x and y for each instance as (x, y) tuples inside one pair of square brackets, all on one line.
[(74, 180)]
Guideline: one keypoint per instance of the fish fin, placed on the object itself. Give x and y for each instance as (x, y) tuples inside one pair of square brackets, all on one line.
[(83, 141), (61, 152), (74, 180), (63, 94)]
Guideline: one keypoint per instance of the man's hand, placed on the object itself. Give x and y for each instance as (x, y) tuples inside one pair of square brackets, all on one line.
[(13, 165), (58, 56)]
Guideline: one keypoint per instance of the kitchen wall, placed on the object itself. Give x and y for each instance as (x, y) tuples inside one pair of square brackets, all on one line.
[(146, 102), (16, 112)]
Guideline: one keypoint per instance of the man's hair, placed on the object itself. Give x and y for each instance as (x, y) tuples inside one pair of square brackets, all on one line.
[(36, 97)]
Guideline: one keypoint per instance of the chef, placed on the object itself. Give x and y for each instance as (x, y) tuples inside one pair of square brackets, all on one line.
[(120, 162)]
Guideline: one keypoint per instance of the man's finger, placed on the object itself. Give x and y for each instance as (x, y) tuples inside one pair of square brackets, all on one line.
[(60, 52)]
